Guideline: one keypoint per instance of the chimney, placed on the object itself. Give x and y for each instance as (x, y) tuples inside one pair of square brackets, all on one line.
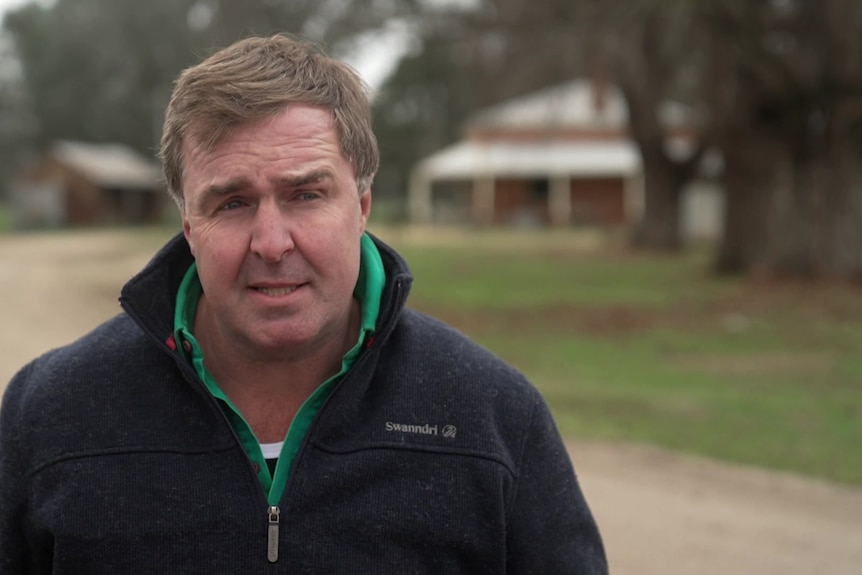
[(599, 82)]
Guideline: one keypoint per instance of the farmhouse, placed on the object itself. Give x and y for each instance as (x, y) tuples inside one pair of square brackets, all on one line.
[(84, 184), (561, 156)]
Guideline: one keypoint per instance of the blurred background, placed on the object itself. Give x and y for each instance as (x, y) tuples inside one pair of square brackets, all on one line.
[(651, 207), (732, 121)]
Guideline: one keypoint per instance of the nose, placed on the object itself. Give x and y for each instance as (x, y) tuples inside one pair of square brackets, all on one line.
[(270, 238)]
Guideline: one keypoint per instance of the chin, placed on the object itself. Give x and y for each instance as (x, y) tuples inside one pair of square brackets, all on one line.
[(281, 341)]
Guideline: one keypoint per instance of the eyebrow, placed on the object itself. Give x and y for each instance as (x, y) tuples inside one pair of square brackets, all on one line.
[(214, 191), (303, 179)]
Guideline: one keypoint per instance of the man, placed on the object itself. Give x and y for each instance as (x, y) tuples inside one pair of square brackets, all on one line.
[(266, 403)]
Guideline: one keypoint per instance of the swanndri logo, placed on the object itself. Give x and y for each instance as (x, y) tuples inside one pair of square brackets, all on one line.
[(449, 431)]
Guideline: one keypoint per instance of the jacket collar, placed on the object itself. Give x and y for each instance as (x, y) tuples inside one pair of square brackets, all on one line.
[(150, 296)]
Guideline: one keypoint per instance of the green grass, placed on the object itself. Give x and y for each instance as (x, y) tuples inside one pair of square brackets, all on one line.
[(655, 349), (5, 218)]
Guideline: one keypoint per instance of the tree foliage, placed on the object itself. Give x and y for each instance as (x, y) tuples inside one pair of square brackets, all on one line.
[(102, 70), (787, 109)]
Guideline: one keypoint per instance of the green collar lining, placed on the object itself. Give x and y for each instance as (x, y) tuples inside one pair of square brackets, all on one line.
[(368, 291)]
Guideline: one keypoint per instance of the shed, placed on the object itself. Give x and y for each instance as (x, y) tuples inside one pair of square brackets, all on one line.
[(87, 184)]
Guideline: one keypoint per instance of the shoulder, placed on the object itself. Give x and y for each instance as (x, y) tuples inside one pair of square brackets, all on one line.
[(67, 368), (429, 348), (438, 343), (111, 390), (97, 369), (98, 383)]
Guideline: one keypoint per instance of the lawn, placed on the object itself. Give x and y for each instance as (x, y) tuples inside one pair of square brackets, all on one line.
[(655, 349)]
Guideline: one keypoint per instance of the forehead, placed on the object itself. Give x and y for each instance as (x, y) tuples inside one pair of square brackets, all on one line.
[(209, 133), (297, 134)]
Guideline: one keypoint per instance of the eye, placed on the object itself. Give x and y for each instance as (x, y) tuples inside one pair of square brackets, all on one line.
[(232, 205), (308, 196)]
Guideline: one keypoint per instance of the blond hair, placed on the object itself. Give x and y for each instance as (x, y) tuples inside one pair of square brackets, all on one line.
[(257, 78)]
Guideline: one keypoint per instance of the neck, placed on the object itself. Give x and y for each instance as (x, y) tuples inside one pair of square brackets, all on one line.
[(268, 389)]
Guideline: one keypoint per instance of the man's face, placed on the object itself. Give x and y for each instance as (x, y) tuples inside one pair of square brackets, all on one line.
[(274, 220)]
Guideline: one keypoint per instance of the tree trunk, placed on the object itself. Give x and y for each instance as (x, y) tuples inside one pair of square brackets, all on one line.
[(659, 229), (817, 224), (751, 166), (791, 215)]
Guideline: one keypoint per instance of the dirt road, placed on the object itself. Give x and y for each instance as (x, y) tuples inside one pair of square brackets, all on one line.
[(660, 513), (664, 513)]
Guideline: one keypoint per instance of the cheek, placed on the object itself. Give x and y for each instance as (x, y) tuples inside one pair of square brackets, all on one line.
[(331, 255), (218, 255), (205, 239)]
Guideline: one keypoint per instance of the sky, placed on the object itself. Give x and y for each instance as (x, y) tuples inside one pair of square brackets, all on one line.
[(377, 54), (10, 4), (6, 4)]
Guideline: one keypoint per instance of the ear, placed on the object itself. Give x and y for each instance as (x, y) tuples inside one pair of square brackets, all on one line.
[(187, 232), (364, 210)]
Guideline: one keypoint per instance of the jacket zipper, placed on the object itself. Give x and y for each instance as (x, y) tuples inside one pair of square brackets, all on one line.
[(272, 534), (273, 513)]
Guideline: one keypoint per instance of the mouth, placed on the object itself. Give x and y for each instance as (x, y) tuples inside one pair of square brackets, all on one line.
[(276, 291)]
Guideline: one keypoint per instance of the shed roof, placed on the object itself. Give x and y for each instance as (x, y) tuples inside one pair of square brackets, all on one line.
[(108, 165)]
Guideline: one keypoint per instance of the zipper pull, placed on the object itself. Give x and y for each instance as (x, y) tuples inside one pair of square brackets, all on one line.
[(272, 534)]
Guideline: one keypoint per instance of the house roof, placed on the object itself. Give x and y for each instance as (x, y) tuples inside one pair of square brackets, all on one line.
[(571, 105), (108, 165), (469, 159), (601, 149)]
